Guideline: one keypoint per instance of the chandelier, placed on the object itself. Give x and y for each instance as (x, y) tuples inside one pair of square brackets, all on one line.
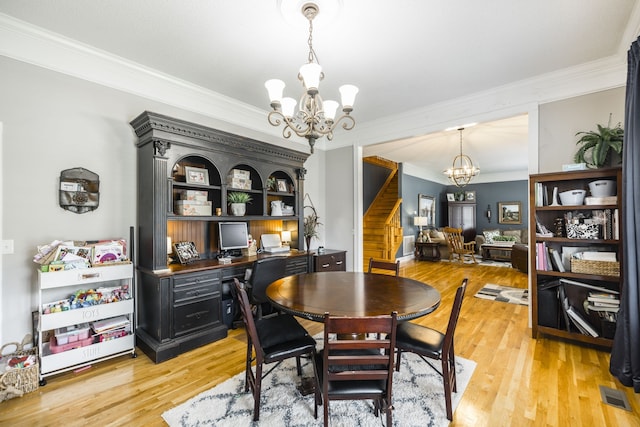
[(315, 118), (462, 170)]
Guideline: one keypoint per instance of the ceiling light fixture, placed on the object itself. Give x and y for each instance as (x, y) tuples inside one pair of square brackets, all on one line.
[(462, 170), (315, 118)]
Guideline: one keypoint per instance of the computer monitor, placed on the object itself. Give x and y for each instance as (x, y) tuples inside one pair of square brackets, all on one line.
[(233, 236)]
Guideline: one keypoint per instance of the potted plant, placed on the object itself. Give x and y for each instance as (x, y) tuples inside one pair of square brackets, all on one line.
[(238, 201), (311, 224), (596, 146)]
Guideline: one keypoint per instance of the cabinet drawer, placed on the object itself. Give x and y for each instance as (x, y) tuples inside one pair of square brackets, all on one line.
[(330, 262), (194, 286), (196, 315), (296, 265)]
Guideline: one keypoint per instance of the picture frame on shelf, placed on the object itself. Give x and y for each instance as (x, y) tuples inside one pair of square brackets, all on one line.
[(451, 197), (196, 175), (282, 186), (470, 196), (509, 212), (186, 251)]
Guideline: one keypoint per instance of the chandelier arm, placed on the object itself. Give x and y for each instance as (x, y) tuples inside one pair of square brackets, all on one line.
[(349, 122)]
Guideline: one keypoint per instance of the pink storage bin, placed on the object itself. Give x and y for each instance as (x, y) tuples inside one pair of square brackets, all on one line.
[(71, 334), (59, 348)]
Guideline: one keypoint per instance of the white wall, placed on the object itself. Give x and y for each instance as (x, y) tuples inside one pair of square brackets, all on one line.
[(54, 122)]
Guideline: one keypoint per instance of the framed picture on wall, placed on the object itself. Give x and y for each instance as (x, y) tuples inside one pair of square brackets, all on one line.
[(196, 175), (427, 209), (451, 197), (509, 213), (470, 196)]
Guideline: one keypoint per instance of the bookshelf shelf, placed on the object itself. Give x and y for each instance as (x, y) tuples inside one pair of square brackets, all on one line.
[(559, 295)]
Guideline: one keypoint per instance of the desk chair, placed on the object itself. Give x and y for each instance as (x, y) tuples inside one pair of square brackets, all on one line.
[(356, 369), (273, 340), (263, 272), (384, 265), (457, 246), (427, 342)]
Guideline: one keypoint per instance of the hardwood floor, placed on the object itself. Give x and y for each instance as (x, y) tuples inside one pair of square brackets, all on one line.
[(518, 381)]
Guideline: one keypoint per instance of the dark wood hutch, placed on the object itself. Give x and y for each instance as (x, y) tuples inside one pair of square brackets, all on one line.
[(180, 305)]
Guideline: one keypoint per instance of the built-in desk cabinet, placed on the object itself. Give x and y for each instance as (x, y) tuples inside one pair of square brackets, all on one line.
[(180, 308)]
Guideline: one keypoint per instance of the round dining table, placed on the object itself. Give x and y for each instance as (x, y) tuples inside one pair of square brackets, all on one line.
[(352, 294)]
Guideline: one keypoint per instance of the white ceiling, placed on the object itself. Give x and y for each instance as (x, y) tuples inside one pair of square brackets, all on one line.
[(404, 55)]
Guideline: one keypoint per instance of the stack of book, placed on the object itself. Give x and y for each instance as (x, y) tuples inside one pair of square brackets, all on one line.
[(605, 304), (112, 328)]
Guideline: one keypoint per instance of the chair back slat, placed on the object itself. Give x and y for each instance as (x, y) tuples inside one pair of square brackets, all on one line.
[(264, 272), (247, 316), (385, 266)]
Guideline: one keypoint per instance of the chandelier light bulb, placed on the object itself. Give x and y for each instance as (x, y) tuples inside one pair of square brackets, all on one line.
[(311, 74), (330, 107), (288, 106), (348, 95), (275, 87)]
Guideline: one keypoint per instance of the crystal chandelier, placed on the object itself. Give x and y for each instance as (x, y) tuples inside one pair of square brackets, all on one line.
[(315, 118), (462, 170)]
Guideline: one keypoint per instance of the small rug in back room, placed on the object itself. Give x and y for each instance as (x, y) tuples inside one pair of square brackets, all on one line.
[(504, 294)]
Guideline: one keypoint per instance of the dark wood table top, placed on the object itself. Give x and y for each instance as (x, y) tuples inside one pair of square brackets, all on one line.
[(355, 294)]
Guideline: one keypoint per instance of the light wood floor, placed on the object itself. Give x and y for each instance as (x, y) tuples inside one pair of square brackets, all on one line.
[(518, 381)]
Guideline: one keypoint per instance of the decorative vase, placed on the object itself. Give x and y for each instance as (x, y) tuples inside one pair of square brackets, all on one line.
[(238, 209), (307, 239)]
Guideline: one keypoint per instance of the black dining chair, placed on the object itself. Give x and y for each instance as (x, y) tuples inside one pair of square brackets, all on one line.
[(263, 272), (356, 369), (432, 344), (376, 265), (270, 340)]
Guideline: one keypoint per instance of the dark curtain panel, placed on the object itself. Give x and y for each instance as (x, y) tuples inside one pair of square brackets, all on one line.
[(625, 354)]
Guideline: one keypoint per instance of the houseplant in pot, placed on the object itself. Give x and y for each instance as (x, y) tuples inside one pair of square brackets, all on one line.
[(311, 223), (238, 201), (595, 146)]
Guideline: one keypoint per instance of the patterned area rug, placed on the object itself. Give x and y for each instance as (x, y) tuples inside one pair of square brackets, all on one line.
[(418, 396), (481, 261), (504, 294)]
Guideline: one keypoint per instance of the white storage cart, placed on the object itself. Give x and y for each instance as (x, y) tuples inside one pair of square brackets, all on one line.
[(59, 285)]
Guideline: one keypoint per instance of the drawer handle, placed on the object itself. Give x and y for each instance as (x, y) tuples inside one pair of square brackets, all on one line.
[(196, 293), (88, 276), (338, 262), (325, 265)]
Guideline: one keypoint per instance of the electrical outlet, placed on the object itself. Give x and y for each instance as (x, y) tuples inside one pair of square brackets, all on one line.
[(6, 247)]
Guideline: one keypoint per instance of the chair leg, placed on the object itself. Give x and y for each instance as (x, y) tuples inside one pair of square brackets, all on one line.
[(398, 360), (256, 392), (298, 366), (247, 369), (449, 380)]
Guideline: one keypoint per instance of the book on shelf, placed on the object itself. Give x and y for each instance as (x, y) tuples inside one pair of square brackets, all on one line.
[(564, 305), (556, 260), (587, 285), (581, 323), (101, 326)]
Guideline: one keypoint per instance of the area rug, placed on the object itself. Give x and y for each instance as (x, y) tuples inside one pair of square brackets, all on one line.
[(504, 294), (418, 399), (480, 261)]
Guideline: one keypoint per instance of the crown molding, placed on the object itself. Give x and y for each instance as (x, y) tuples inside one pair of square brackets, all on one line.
[(25, 42)]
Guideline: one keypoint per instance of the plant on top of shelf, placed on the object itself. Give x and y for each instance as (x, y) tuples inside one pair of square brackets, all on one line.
[(238, 201), (596, 146), (238, 197)]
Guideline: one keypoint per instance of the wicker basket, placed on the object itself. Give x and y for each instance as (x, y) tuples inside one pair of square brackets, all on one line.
[(602, 268), (15, 382)]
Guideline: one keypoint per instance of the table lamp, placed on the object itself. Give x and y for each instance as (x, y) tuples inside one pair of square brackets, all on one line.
[(420, 221), (285, 237)]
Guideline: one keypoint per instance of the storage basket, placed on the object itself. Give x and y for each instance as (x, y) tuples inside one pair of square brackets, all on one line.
[(583, 231), (15, 382), (602, 268)]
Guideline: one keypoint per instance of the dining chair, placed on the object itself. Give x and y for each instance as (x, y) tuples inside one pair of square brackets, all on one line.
[(356, 369), (457, 246), (429, 343), (263, 272), (270, 340), (384, 265)]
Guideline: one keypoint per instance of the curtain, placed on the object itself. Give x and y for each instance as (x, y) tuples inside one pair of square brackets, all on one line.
[(625, 354)]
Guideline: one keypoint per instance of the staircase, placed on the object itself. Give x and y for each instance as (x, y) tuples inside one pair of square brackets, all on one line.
[(381, 229)]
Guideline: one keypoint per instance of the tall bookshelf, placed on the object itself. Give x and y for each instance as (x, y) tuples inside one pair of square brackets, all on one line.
[(574, 281)]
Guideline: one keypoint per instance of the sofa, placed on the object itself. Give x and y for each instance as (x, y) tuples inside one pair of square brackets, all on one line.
[(521, 236), (437, 236)]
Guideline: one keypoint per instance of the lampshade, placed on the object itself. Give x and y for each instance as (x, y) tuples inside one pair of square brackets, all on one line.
[(285, 236), (420, 221), (311, 73), (330, 108), (275, 87), (348, 94)]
